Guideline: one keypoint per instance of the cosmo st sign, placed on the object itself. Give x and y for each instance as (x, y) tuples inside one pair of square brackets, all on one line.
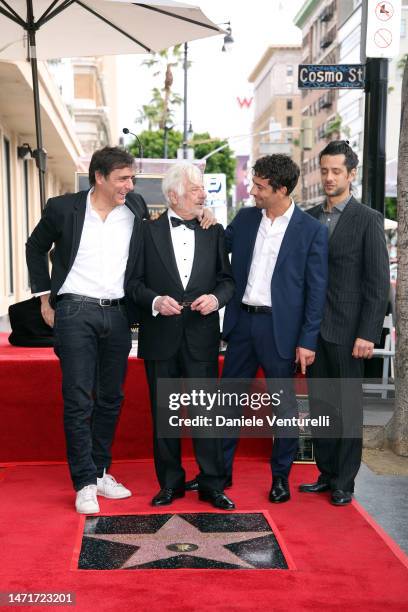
[(326, 76)]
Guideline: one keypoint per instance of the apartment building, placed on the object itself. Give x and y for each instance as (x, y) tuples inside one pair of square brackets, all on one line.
[(318, 21), (277, 117)]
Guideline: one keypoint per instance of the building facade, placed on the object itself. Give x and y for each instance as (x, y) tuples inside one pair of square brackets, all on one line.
[(318, 20), (277, 118)]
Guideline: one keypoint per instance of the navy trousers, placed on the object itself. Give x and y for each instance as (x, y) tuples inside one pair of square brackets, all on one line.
[(251, 345)]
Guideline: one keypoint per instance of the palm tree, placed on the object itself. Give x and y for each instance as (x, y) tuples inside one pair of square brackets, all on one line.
[(160, 109), (400, 420)]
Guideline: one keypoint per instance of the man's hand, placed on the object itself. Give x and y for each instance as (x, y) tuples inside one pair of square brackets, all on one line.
[(363, 349), (205, 304), (47, 312), (304, 357), (208, 219), (167, 306)]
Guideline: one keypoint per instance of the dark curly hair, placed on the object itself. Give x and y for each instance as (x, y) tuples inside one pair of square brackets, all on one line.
[(280, 170), (107, 159), (341, 147)]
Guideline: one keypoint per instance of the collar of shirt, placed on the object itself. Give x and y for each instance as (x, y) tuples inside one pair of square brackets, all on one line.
[(118, 212), (287, 215), (338, 207)]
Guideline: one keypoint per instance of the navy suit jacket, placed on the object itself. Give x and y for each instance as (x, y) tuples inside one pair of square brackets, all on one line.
[(299, 281)]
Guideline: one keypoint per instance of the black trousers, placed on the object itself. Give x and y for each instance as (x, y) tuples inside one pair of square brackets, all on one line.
[(93, 344), (167, 451), (338, 458)]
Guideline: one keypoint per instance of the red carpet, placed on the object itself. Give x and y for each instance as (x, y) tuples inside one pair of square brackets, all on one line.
[(31, 410), (341, 561)]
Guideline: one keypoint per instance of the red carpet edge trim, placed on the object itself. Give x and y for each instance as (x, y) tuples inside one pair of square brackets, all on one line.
[(392, 545)]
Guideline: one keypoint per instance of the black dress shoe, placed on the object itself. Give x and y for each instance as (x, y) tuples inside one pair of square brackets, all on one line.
[(314, 487), (191, 485), (279, 492), (341, 498), (166, 496), (217, 498)]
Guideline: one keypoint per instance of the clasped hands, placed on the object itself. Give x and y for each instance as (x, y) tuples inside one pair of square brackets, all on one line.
[(167, 306)]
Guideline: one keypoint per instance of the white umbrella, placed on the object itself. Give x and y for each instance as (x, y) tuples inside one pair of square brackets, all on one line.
[(45, 29)]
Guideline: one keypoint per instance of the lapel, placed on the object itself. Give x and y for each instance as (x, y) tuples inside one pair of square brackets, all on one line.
[(254, 221), (290, 238), (345, 218), (201, 239), (160, 232), (78, 224), (134, 240)]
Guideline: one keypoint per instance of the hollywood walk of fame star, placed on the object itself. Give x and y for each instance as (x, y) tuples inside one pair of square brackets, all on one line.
[(178, 537)]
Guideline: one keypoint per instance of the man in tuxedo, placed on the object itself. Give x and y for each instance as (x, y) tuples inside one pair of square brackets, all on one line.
[(96, 238), (182, 279), (279, 264), (353, 318)]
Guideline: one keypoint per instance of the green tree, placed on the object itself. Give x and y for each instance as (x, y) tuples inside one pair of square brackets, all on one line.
[(221, 162), (153, 143)]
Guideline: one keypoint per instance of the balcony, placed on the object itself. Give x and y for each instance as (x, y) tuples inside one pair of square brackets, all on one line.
[(327, 13), (327, 40)]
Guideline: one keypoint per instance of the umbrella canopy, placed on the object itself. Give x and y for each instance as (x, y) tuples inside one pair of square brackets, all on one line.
[(45, 29), (99, 27)]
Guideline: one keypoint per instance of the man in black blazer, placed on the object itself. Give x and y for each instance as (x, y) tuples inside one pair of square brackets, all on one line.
[(96, 238), (353, 319), (183, 278)]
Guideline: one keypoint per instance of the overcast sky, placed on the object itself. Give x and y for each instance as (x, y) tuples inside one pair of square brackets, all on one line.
[(216, 79)]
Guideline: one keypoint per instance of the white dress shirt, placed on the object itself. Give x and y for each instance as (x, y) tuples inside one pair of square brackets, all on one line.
[(183, 240), (100, 264), (267, 245)]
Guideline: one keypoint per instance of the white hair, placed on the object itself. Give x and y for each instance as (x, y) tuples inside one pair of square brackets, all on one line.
[(175, 178)]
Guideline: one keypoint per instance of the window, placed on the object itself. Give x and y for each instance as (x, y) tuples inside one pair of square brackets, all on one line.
[(289, 104), (403, 28), (8, 214), (289, 70), (289, 121)]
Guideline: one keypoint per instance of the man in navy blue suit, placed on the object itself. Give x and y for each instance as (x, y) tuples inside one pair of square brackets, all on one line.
[(279, 263)]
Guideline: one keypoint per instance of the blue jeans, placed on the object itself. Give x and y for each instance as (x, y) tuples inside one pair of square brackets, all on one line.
[(93, 344)]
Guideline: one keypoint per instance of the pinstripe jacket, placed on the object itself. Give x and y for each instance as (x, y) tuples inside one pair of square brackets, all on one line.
[(359, 277)]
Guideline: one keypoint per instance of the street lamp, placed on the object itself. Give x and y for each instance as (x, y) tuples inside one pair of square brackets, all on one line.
[(228, 40)]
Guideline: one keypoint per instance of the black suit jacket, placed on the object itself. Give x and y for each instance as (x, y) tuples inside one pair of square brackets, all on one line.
[(136, 202), (156, 274), (61, 225), (359, 276)]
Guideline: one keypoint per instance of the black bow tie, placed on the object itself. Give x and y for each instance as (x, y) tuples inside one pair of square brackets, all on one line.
[(191, 224)]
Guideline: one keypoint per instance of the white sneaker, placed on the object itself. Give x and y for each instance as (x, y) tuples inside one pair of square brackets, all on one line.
[(86, 502), (108, 487)]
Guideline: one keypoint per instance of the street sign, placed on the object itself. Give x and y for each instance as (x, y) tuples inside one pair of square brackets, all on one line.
[(381, 28), (331, 76)]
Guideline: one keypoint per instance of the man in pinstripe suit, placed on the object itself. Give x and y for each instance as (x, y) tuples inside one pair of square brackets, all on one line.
[(356, 303)]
